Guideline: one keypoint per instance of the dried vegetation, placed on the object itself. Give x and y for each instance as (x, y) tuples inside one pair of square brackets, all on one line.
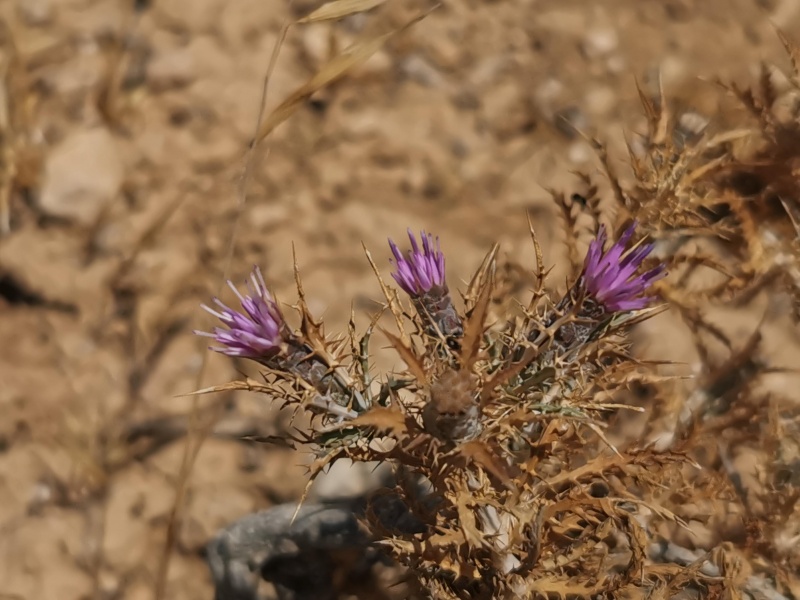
[(515, 476)]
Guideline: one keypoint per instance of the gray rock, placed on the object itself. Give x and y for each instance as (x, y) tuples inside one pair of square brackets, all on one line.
[(297, 558)]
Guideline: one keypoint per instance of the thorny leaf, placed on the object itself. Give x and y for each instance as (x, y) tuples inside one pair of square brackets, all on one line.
[(483, 455), (389, 421), (413, 363), (311, 329), (467, 521), (476, 322), (793, 50), (480, 279), (248, 385)]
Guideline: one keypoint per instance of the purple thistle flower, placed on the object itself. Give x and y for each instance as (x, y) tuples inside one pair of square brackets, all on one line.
[(254, 333), (419, 272), (611, 276)]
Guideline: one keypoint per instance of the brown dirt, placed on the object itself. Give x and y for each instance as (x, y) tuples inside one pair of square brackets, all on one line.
[(130, 134)]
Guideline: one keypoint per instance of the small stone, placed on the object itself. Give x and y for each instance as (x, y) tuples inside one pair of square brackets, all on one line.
[(197, 16), (579, 153), (446, 51), (286, 549), (170, 70), (507, 112), (35, 13), (465, 98), (563, 20), (268, 215), (82, 175), (673, 71), (690, 128), (377, 64), (421, 71), (546, 96), (616, 64), (600, 42), (347, 479), (316, 43)]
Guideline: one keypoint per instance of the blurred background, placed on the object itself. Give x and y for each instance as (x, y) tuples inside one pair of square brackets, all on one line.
[(124, 128)]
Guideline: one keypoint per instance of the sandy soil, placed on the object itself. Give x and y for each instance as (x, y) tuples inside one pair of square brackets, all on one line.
[(125, 133)]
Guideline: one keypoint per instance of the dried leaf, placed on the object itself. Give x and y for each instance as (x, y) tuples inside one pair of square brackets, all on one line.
[(481, 453), (311, 329), (478, 281), (248, 385), (407, 355), (794, 54), (353, 56), (315, 469), (339, 9), (387, 420), (467, 521), (476, 321), (540, 270)]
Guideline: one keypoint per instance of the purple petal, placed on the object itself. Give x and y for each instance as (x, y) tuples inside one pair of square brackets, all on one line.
[(611, 276), (256, 331), (419, 270)]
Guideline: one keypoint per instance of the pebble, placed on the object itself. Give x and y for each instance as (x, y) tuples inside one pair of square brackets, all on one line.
[(35, 13), (316, 43), (421, 71), (547, 95), (171, 70), (82, 174), (579, 153), (600, 42), (346, 480), (197, 16)]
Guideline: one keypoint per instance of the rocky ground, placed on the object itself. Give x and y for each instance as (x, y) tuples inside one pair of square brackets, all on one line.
[(124, 130)]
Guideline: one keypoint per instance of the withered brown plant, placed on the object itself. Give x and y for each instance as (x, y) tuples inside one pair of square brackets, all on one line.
[(507, 483), (506, 486)]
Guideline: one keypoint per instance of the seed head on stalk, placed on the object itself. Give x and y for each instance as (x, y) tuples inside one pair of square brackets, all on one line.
[(260, 333), (610, 282), (611, 277), (257, 331), (420, 273)]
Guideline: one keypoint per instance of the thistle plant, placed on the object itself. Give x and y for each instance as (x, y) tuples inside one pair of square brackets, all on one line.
[(484, 420), (515, 473)]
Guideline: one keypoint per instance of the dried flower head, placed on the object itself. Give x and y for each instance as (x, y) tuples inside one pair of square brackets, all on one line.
[(453, 412), (611, 276), (254, 333), (419, 271)]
